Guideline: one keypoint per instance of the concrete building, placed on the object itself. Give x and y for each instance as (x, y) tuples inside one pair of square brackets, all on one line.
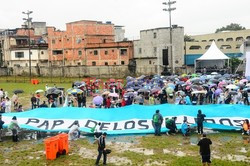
[(152, 51), (14, 48), (86, 43), (228, 42), (119, 33)]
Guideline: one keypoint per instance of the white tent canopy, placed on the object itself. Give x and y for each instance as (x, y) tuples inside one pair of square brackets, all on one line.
[(214, 57)]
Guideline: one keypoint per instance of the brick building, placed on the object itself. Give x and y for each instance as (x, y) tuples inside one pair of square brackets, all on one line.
[(87, 43)]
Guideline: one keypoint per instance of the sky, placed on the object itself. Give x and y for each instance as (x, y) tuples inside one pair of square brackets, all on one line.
[(196, 16)]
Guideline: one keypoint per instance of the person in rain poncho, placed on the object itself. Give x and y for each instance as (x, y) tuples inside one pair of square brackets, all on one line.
[(14, 127), (185, 128)]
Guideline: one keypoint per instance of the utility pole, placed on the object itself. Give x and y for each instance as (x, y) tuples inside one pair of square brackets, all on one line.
[(170, 9), (28, 19)]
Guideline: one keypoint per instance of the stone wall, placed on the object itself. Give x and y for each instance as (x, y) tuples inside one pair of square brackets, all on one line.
[(74, 71)]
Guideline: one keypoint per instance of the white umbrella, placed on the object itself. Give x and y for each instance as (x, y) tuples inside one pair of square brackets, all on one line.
[(113, 95), (39, 91), (231, 86), (199, 92), (214, 73)]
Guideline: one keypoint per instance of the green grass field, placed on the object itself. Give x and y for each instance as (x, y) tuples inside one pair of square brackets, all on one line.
[(135, 150)]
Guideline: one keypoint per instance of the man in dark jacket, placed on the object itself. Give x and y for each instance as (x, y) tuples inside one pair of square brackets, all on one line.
[(1, 127), (101, 149), (200, 119), (157, 122), (205, 152)]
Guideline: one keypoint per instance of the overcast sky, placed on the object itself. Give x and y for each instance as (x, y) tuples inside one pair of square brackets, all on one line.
[(196, 16)]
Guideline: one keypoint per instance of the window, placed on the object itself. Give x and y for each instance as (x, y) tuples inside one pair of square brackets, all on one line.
[(53, 41), (19, 54), (225, 47), (42, 52), (79, 63), (57, 52), (195, 47), (211, 40), (95, 52), (122, 63), (114, 63), (139, 50), (67, 39), (79, 52), (207, 47), (106, 63), (113, 50), (220, 40), (66, 52), (239, 39), (60, 40), (155, 35), (203, 41), (229, 39), (123, 51), (150, 62), (93, 63), (248, 38), (106, 52), (238, 46)]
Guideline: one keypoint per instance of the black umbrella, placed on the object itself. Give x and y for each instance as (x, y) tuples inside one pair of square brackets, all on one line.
[(54, 94), (233, 93), (18, 91)]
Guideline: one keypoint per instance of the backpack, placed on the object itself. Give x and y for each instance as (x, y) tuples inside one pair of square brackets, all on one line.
[(156, 118)]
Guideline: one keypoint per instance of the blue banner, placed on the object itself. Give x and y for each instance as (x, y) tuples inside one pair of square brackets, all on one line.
[(129, 119)]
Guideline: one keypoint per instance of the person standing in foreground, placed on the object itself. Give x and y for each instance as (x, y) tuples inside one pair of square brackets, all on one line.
[(205, 152), (157, 121), (200, 119), (1, 127), (101, 149)]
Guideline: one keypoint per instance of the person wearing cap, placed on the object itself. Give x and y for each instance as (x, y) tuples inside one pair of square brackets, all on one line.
[(205, 152), (101, 149), (14, 128), (1, 127)]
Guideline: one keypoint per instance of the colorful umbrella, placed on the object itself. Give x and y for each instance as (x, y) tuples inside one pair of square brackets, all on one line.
[(74, 91), (231, 86), (169, 90), (113, 95), (97, 100)]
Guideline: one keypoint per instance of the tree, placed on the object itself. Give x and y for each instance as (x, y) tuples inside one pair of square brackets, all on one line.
[(231, 27), (235, 62), (188, 38)]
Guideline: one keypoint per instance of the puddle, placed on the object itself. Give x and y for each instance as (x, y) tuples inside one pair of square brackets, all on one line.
[(226, 139), (243, 150), (119, 160), (236, 158)]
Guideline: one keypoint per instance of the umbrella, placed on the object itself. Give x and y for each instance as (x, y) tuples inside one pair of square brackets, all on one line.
[(214, 81), (98, 100), (143, 90), (248, 85), (18, 91), (233, 93), (195, 80), (194, 75), (199, 92), (131, 94), (111, 80), (180, 83), (79, 83), (54, 94), (74, 91), (39, 91), (155, 90), (213, 85), (113, 95), (226, 75), (181, 93), (106, 93), (130, 90), (169, 90), (244, 80), (231, 86), (171, 85), (217, 92), (51, 90), (214, 73), (183, 75)]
